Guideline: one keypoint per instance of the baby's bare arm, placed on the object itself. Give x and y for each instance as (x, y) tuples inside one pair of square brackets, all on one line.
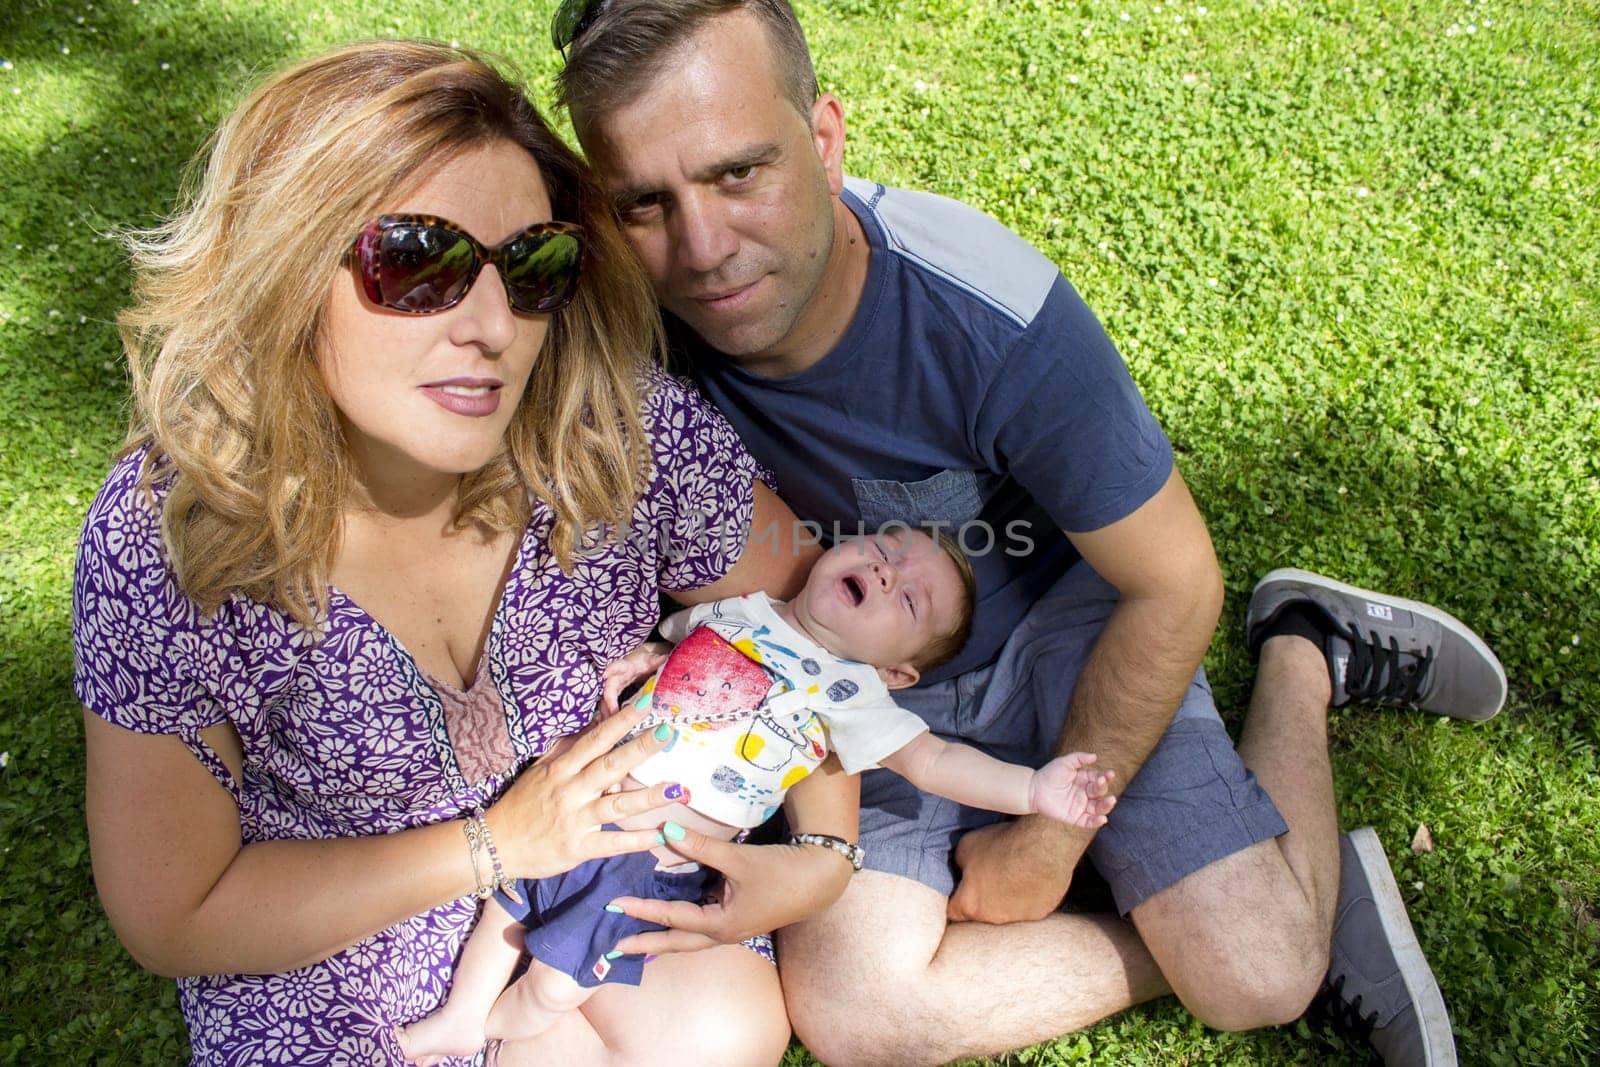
[(963, 774)]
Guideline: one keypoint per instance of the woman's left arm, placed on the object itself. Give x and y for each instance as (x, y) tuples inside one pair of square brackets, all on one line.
[(778, 553)]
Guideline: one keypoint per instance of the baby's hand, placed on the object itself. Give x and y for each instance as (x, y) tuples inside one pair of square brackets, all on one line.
[(1070, 790), (642, 662)]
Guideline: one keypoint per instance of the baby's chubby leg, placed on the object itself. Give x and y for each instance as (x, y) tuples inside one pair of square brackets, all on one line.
[(535, 1001), (487, 960)]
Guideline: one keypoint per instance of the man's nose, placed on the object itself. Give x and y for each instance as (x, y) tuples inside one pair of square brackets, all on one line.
[(704, 241)]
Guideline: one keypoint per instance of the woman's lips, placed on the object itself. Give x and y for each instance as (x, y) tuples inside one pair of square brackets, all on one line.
[(474, 398)]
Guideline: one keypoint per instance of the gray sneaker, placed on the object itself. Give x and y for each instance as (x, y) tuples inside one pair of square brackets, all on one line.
[(1379, 989), (1385, 650)]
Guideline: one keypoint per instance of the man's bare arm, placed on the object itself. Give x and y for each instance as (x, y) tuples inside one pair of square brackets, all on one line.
[(1161, 561)]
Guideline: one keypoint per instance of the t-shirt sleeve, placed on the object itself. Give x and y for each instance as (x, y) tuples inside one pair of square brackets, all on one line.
[(701, 496), (1065, 419), (681, 624), (140, 649), (863, 734)]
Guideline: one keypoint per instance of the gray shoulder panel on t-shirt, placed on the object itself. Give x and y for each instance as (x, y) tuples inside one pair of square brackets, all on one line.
[(962, 245)]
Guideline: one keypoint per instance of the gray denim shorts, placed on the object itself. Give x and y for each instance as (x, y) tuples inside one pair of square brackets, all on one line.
[(1192, 803)]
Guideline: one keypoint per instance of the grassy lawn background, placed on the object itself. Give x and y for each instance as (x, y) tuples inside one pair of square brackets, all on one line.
[(1350, 256)]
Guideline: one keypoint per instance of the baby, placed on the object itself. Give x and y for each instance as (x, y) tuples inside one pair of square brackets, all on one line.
[(756, 693)]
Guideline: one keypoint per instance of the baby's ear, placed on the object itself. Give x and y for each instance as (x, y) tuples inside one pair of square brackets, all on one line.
[(899, 676)]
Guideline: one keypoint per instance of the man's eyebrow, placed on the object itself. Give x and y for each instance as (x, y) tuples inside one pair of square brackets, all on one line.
[(753, 156)]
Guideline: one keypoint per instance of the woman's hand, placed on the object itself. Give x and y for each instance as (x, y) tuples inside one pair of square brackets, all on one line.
[(764, 887), (549, 820), (620, 674)]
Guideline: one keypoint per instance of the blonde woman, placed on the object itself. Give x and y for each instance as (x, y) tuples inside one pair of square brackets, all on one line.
[(351, 577)]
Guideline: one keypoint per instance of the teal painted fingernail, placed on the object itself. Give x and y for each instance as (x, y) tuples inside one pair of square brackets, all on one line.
[(613, 909), (672, 830), (660, 840), (613, 954), (663, 732)]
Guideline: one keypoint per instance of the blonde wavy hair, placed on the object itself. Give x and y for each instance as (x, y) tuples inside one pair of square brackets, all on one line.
[(230, 298)]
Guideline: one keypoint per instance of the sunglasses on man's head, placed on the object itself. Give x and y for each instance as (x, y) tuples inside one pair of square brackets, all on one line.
[(572, 17), (420, 264)]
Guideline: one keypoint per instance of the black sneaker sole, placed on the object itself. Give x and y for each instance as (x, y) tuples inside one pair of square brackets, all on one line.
[(1433, 1020)]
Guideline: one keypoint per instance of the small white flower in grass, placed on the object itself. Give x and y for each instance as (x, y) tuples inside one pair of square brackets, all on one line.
[(1072, 79), (5, 760), (166, 66), (1574, 639), (1087, 30), (5, 64), (1212, 282), (65, 50), (1461, 450), (54, 314), (1343, 490), (1125, 17), (1201, 11), (1363, 192)]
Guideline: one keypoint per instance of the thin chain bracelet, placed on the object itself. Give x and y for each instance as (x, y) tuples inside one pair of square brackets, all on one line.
[(482, 890)]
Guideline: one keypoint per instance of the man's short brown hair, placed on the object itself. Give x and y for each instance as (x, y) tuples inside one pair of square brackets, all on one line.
[(629, 42)]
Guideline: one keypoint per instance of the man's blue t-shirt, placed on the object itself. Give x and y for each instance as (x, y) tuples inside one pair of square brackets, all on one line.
[(974, 389)]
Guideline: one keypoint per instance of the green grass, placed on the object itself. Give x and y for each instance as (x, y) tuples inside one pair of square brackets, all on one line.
[(1349, 253)]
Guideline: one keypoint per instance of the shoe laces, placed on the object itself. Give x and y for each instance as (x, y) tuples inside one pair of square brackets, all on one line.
[(1344, 1015), (1384, 674)]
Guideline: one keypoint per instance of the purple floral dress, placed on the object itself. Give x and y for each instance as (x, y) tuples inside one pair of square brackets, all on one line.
[(345, 736)]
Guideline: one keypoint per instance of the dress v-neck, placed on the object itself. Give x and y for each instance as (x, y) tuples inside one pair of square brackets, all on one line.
[(479, 671)]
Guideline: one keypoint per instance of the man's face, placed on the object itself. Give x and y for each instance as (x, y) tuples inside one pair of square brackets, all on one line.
[(726, 190)]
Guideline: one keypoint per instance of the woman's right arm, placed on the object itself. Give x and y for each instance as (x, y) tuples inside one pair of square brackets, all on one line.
[(187, 898)]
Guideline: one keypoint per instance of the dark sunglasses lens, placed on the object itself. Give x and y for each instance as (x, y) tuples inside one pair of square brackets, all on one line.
[(570, 19), (540, 271), (423, 268)]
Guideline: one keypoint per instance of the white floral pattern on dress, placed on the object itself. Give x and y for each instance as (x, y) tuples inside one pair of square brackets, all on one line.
[(336, 741)]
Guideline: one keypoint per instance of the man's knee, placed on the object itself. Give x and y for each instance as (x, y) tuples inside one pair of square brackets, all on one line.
[(1248, 991), (842, 1032)]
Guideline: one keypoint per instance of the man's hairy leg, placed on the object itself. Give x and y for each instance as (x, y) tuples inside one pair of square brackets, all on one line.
[(1244, 941), (880, 978)]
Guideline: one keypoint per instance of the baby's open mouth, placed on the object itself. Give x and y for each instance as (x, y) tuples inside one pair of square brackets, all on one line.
[(856, 588)]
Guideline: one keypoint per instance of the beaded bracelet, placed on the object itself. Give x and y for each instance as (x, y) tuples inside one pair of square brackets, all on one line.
[(478, 836)]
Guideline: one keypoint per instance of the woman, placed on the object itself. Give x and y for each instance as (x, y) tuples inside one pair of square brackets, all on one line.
[(350, 576)]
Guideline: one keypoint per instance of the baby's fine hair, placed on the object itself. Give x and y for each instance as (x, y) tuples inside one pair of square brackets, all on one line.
[(948, 645)]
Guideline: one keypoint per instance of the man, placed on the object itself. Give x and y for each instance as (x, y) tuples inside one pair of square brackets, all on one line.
[(896, 356)]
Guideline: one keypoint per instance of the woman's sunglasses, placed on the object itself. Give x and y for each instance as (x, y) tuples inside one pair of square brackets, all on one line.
[(420, 264), (572, 17)]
